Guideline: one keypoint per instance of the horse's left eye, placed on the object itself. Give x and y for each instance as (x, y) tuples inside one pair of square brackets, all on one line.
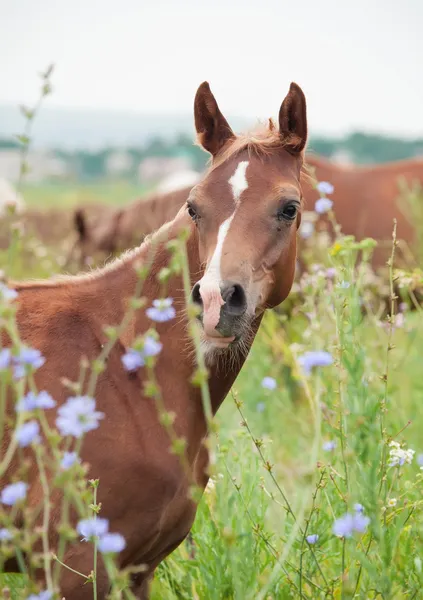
[(288, 213)]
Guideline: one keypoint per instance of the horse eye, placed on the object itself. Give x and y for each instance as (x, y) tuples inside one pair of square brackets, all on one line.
[(192, 213), (287, 213)]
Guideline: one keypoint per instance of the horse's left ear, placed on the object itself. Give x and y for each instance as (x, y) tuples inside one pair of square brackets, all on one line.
[(212, 128), (293, 119)]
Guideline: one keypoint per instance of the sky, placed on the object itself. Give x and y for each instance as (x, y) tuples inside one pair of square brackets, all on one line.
[(359, 63)]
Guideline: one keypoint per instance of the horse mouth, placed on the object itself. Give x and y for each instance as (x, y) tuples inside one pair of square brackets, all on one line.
[(219, 341)]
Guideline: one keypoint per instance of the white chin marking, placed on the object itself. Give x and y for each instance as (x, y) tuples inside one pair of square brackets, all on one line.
[(239, 181)]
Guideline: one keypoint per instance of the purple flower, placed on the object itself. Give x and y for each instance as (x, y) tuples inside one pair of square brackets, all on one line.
[(7, 293), (420, 460), (69, 459), (13, 493), (162, 310), (5, 358), (330, 272), (28, 359), (359, 508), (111, 543), (329, 445), (134, 359), (306, 229), (324, 187), (5, 534), (318, 358), (312, 539), (28, 433), (78, 416), (269, 383), (33, 401), (46, 595), (323, 205), (348, 524), (94, 527)]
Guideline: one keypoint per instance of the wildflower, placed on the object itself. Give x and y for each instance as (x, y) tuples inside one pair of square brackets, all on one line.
[(324, 187), (162, 310), (92, 528), (5, 534), (269, 383), (312, 539), (78, 416), (260, 407), (392, 502), (28, 433), (134, 359), (211, 484), (348, 524), (306, 229), (344, 285), (330, 272), (420, 460), (318, 358), (13, 493), (33, 401), (111, 543), (7, 293), (28, 358), (69, 459), (46, 595), (359, 508), (399, 456), (329, 446), (323, 205), (5, 357)]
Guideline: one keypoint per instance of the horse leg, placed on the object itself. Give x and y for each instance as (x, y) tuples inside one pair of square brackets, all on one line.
[(73, 586)]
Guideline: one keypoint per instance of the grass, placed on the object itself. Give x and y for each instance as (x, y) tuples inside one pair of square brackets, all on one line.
[(274, 484)]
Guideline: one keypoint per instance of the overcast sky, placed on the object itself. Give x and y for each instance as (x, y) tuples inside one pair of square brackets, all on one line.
[(359, 62)]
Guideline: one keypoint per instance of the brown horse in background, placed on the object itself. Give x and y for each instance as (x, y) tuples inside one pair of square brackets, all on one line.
[(365, 199), (242, 220)]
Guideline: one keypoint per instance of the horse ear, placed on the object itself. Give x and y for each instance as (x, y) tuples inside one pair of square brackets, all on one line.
[(80, 223), (293, 119), (212, 128)]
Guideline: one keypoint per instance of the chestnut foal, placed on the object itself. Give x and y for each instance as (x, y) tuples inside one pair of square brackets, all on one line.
[(243, 219)]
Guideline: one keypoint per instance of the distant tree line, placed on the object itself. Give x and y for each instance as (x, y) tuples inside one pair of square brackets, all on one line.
[(360, 148)]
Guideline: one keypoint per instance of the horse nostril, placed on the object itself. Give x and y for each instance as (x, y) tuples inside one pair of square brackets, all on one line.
[(196, 296), (235, 299)]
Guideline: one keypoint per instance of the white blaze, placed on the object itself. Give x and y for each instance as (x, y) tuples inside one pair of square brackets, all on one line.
[(212, 278)]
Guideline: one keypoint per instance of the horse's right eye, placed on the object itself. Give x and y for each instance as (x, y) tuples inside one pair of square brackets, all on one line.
[(192, 212)]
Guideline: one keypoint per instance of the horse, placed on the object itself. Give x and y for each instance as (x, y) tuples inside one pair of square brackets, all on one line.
[(241, 223), (365, 199)]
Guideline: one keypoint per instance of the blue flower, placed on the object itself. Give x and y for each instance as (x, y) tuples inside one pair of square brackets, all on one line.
[(69, 459), (329, 446), (5, 534), (312, 539), (33, 401), (348, 524), (92, 528), (7, 293), (134, 359), (111, 542), (13, 493), (359, 508), (420, 460), (162, 310), (323, 205), (28, 359), (344, 285), (5, 358), (46, 595), (269, 383), (28, 433), (324, 187), (318, 358), (78, 416), (260, 407), (306, 229)]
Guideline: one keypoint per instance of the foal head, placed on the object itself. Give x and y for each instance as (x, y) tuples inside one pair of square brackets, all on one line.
[(247, 210)]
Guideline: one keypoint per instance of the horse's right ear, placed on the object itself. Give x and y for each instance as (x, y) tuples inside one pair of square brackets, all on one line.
[(213, 130), (293, 119), (80, 223)]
